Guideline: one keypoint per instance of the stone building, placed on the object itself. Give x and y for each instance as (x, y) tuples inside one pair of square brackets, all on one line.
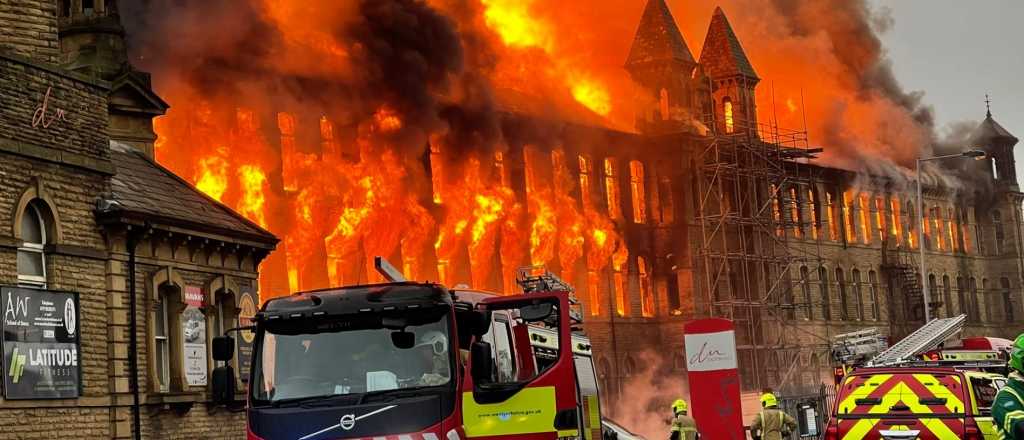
[(87, 214)]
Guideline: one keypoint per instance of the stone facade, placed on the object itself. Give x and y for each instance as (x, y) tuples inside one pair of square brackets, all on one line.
[(95, 193)]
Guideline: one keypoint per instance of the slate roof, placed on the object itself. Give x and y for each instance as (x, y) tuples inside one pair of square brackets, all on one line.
[(722, 55), (658, 38), (990, 130), (143, 188)]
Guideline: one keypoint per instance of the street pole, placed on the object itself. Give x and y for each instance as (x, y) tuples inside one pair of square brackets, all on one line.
[(920, 245)]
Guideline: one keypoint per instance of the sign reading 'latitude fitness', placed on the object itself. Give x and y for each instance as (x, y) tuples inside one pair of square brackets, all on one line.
[(40, 343)]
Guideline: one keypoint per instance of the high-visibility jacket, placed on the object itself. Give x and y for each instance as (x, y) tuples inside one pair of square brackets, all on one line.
[(685, 426), (773, 424), (1008, 409)]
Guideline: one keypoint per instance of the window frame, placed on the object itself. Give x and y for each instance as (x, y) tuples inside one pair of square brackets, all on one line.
[(34, 281), (162, 364)]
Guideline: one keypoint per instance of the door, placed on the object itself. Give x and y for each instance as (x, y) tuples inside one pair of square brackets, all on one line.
[(498, 401), (984, 390)]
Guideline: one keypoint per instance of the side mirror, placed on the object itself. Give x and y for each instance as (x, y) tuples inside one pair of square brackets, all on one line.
[(403, 339), (223, 348), (536, 312), (223, 380), (483, 363)]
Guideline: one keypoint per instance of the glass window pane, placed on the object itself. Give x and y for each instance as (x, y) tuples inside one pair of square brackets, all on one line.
[(161, 359), (161, 326), (30, 263), (31, 231)]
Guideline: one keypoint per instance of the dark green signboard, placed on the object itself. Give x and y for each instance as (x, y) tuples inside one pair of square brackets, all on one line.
[(42, 359)]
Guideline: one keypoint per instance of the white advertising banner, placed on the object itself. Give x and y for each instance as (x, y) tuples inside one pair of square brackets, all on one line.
[(711, 351), (193, 325)]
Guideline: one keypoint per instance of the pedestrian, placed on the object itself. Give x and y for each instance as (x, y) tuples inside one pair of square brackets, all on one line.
[(1008, 408), (771, 423), (683, 426)]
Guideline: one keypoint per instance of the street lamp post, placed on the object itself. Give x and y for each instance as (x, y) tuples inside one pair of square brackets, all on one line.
[(977, 155)]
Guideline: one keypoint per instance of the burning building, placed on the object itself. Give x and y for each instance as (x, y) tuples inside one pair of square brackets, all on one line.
[(401, 133)]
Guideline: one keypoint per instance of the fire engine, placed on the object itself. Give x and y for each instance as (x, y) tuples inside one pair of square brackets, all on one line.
[(915, 389), (406, 360)]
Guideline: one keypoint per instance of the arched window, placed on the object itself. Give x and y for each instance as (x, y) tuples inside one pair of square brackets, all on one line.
[(646, 298), (933, 288), (873, 289), (961, 295), (979, 231), (225, 313), (911, 225), (972, 312), (611, 187), (826, 302), (166, 335), (663, 104), (805, 288), (629, 367), (947, 296), (636, 186), (844, 302), (1004, 284), (35, 226), (727, 109), (585, 169), (997, 223), (858, 293)]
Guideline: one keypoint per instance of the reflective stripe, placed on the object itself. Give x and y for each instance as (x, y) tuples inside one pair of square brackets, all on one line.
[(934, 386), (429, 436), (1011, 418), (870, 385), (1014, 392)]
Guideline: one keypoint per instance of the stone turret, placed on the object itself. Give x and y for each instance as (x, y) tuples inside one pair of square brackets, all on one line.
[(732, 77)]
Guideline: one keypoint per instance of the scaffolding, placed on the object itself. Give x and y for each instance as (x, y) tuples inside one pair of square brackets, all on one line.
[(750, 195)]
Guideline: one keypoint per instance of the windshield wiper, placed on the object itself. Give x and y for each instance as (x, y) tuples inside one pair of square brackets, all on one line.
[(394, 393), (299, 400)]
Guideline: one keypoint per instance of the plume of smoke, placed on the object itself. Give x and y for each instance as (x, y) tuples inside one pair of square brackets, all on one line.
[(649, 395)]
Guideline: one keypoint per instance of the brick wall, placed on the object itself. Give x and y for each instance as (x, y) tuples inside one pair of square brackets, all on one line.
[(29, 28)]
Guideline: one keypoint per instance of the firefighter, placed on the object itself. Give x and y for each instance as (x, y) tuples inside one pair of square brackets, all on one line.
[(771, 423), (683, 426), (1008, 408)]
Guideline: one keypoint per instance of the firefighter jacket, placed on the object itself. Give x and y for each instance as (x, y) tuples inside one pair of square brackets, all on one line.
[(1008, 409), (684, 428), (772, 424)]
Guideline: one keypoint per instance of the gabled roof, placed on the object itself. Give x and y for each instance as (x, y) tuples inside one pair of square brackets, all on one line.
[(990, 131), (658, 38), (141, 188), (722, 55), (136, 88)]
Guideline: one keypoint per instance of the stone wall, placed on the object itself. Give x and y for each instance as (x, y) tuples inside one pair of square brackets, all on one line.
[(29, 28)]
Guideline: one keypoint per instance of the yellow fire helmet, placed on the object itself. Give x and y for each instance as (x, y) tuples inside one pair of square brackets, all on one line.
[(679, 406), (769, 400)]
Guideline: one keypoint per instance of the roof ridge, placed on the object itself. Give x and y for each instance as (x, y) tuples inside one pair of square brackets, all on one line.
[(658, 37), (722, 54)]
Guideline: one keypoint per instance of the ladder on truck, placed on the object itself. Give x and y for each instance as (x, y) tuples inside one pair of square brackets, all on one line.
[(926, 338), (533, 279)]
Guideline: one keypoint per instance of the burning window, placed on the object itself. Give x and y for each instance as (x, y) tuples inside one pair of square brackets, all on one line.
[(940, 235), (594, 292), (727, 109), (851, 232), (979, 231), (646, 296), (880, 218), (965, 231), (865, 218), (663, 104), (951, 226), (328, 143), (436, 172), (611, 188), (289, 152), (815, 208), (499, 168), (794, 213), (636, 185), (927, 240), (896, 221), (585, 168), (911, 226), (619, 260), (830, 212)]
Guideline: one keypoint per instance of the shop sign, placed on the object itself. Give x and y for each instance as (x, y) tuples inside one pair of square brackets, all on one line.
[(193, 324), (247, 304), (40, 344)]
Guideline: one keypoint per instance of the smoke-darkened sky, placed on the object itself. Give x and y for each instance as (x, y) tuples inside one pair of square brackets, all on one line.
[(957, 52)]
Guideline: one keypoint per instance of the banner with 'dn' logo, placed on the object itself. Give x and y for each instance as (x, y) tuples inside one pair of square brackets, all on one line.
[(40, 344), (714, 378)]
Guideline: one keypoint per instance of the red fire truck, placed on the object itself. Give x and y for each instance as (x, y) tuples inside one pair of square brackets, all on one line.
[(409, 361)]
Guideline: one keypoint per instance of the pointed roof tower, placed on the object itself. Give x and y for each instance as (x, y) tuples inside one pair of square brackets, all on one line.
[(722, 55), (658, 38), (990, 131)]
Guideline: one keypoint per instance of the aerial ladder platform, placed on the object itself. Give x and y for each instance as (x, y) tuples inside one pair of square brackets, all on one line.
[(926, 338)]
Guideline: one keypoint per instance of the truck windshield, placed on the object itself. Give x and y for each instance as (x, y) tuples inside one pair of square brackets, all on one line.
[(349, 356)]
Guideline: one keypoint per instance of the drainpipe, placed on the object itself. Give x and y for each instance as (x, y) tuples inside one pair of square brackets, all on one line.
[(133, 326)]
